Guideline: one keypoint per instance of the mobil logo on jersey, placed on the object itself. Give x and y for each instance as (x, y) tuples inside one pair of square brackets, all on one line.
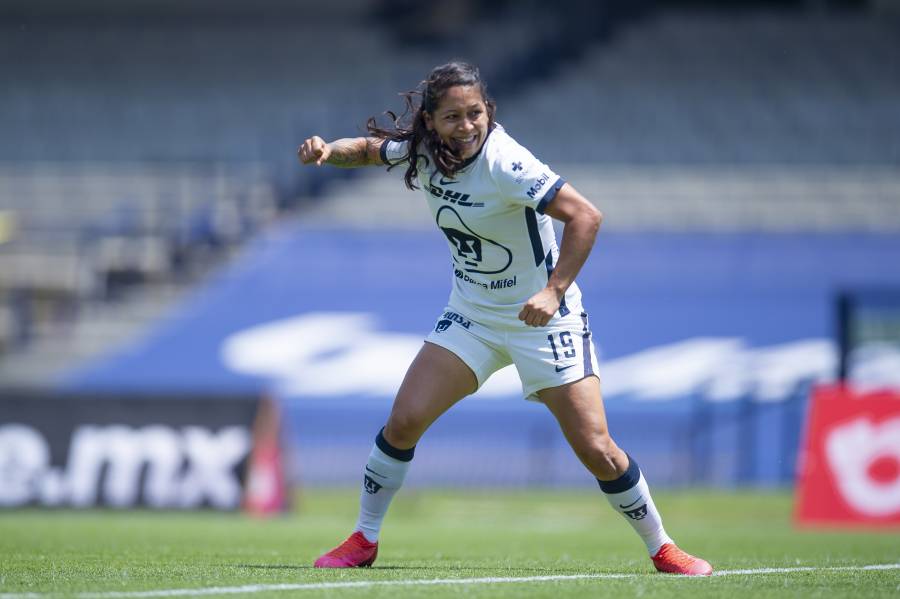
[(472, 252), (538, 185)]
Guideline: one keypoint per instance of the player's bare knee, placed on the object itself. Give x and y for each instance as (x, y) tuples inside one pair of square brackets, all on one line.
[(600, 454), (403, 430)]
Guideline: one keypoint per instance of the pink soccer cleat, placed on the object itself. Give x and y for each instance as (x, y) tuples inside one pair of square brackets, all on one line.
[(672, 560), (355, 552)]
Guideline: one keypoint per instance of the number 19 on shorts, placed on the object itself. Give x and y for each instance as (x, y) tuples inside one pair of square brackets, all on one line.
[(564, 343)]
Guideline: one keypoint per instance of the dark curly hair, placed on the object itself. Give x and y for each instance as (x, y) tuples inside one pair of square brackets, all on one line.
[(414, 131)]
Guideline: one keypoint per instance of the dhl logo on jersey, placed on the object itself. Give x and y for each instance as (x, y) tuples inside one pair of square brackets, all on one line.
[(458, 198)]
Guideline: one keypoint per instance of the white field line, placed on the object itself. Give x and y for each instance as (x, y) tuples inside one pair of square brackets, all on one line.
[(311, 586)]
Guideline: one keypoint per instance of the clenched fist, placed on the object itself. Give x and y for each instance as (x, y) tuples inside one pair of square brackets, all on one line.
[(315, 150)]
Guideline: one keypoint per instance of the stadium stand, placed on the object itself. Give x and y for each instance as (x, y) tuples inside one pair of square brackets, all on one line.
[(713, 121), (720, 88), (142, 145), (172, 127), (139, 139), (765, 121)]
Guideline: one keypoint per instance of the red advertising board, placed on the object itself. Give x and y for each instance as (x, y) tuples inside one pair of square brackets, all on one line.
[(849, 470)]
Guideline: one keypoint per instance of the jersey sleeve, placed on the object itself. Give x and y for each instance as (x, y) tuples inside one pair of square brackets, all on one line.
[(523, 179), (394, 152)]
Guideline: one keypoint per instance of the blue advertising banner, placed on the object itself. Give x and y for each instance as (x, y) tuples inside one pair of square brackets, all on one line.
[(321, 313), (709, 340)]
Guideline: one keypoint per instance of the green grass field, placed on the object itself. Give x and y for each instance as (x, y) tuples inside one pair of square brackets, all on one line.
[(476, 542)]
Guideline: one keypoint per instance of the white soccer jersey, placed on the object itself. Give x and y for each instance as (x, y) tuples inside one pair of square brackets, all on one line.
[(492, 213)]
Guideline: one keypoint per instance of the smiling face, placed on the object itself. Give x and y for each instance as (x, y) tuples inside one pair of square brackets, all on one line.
[(460, 120)]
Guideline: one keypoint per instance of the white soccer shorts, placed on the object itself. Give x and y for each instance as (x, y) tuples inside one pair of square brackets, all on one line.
[(545, 357)]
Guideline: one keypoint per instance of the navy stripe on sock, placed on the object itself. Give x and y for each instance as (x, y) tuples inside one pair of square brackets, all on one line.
[(404, 455), (624, 482)]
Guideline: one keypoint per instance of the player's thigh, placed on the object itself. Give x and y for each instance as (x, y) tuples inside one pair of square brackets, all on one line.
[(578, 407), (436, 379), (480, 347)]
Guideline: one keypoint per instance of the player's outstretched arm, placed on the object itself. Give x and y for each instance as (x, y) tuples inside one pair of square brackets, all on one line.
[(348, 152)]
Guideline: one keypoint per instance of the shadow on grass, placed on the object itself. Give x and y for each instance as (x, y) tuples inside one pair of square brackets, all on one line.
[(494, 569)]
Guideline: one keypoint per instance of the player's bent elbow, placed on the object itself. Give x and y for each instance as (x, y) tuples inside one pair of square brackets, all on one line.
[(593, 217)]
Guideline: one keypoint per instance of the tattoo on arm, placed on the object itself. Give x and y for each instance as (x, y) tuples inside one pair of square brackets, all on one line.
[(349, 152)]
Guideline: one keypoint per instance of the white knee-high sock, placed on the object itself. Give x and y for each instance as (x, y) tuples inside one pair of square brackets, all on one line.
[(630, 496), (383, 476)]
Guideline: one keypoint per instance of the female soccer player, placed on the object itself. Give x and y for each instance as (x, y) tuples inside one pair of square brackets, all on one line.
[(514, 299)]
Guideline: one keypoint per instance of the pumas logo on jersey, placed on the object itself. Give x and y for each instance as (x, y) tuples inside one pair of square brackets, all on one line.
[(516, 166), (473, 253), (461, 199)]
